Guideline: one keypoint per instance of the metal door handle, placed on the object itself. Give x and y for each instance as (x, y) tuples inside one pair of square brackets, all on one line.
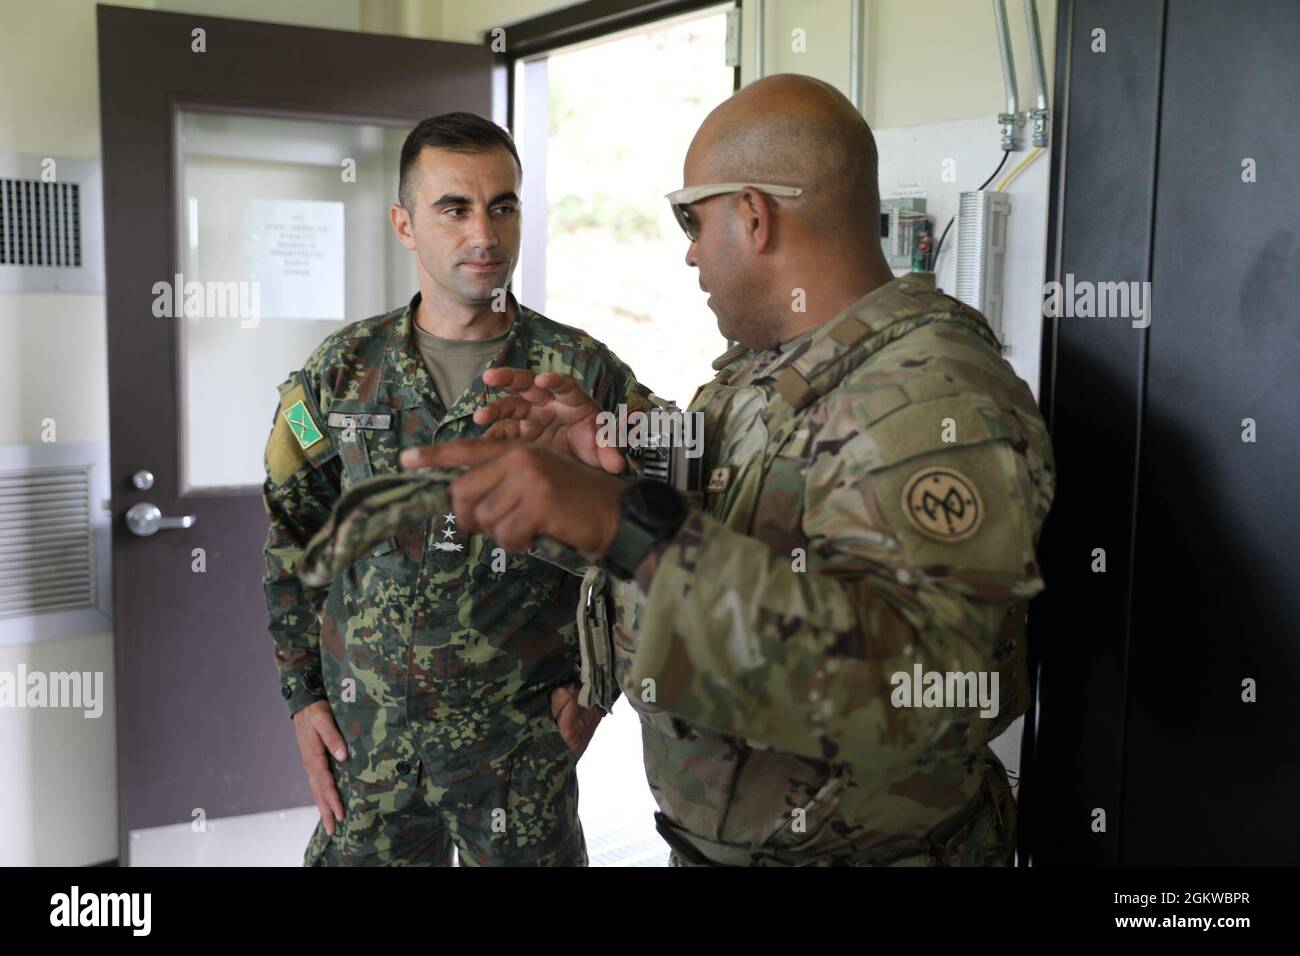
[(145, 519)]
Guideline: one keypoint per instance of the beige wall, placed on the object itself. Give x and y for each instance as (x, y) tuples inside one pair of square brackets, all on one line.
[(939, 61), (466, 21), (331, 14)]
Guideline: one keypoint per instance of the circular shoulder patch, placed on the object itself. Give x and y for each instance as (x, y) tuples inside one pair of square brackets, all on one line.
[(942, 504)]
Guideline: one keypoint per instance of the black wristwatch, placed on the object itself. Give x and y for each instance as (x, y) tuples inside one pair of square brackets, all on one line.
[(649, 512)]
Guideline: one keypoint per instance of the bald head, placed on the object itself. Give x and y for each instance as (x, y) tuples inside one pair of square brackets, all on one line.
[(775, 267), (793, 130)]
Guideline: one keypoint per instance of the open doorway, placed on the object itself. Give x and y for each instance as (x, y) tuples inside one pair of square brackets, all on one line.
[(601, 251)]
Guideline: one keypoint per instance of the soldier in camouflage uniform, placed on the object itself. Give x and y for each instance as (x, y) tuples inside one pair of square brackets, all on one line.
[(437, 652), (876, 477), (887, 548)]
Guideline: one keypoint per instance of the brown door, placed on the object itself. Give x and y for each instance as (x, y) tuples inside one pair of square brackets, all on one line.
[(247, 172)]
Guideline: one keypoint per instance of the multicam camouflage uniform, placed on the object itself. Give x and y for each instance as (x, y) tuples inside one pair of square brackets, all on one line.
[(436, 651), (875, 490)]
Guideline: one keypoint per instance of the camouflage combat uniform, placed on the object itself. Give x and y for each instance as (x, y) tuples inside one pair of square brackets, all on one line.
[(875, 493), (436, 652)]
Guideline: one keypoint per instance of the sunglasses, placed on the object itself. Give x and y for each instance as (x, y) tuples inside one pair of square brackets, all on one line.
[(682, 198)]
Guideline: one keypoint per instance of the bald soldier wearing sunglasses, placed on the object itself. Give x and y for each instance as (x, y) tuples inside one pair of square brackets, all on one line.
[(830, 630)]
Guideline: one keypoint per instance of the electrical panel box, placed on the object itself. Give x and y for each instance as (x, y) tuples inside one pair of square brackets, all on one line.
[(906, 233)]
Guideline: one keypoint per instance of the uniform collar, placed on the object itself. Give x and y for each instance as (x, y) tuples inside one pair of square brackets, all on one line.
[(901, 300), (760, 363), (406, 382)]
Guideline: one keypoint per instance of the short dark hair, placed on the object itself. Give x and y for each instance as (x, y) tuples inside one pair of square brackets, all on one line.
[(463, 132)]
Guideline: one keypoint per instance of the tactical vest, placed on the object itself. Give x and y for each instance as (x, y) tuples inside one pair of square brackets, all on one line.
[(752, 436)]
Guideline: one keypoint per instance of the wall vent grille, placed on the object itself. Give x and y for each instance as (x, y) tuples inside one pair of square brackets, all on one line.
[(46, 550), (40, 223)]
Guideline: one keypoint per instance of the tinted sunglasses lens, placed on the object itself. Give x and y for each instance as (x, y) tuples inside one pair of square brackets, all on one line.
[(684, 219)]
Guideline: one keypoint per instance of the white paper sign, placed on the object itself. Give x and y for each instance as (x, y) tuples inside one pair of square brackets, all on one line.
[(294, 251), (912, 190)]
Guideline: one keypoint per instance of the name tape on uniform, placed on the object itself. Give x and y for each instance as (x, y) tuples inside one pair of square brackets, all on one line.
[(358, 420)]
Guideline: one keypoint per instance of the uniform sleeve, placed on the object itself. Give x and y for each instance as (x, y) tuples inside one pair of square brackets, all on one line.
[(615, 384), (609, 382), (805, 658), (301, 487)]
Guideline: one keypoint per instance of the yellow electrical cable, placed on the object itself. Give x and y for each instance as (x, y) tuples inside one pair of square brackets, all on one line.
[(1025, 162)]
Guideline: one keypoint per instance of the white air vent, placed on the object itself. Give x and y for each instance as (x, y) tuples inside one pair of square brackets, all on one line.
[(51, 224), (46, 551), (40, 223)]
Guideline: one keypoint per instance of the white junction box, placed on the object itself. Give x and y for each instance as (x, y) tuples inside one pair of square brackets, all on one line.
[(981, 252)]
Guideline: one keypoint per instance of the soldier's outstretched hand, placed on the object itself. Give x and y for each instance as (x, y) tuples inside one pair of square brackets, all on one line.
[(550, 409)]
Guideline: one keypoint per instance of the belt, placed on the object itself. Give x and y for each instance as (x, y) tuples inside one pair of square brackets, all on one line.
[(705, 852)]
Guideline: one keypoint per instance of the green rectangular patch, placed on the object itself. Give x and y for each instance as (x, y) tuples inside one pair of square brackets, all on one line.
[(301, 424)]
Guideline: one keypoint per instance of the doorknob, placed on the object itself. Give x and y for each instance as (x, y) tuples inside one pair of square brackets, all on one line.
[(145, 519)]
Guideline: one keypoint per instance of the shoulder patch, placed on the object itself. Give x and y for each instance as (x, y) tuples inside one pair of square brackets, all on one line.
[(295, 438), (942, 504), (302, 424)]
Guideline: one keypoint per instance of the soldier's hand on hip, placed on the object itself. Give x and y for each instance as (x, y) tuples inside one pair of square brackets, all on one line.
[(577, 723), (317, 733), (550, 409)]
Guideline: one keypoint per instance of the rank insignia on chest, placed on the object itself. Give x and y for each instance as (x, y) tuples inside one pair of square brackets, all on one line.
[(719, 479), (358, 420), (302, 425)]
